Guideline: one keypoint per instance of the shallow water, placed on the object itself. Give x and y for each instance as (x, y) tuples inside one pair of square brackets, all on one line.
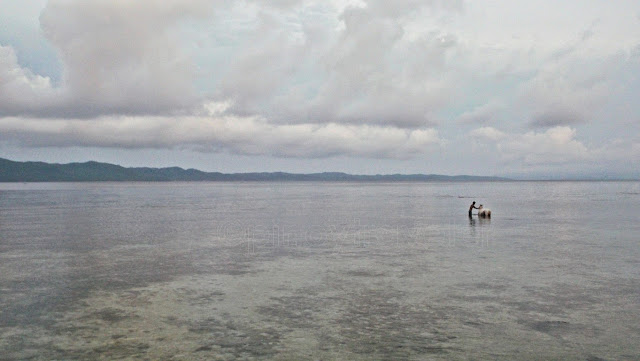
[(350, 271)]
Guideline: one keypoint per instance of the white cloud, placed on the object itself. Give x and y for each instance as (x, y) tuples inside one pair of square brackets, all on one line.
[(557, 145), (20, 88), (488, 133)]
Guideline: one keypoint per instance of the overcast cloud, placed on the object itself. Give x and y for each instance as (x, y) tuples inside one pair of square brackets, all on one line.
[(420, 86)]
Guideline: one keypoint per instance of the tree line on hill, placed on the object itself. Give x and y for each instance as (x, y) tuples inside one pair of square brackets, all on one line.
[(11, 171)]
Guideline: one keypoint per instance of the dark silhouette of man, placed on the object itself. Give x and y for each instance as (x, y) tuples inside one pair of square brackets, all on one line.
[(473, 205)]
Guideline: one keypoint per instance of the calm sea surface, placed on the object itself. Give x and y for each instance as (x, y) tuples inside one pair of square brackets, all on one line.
[(319, 271)]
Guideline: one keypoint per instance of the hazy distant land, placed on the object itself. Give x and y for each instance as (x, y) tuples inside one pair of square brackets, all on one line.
[(11, 171)]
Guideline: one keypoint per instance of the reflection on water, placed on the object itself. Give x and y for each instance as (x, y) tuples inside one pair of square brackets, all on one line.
[(480, 229), (318, 271)]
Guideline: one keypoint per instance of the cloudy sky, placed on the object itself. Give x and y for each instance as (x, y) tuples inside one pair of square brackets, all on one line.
[(482, 87)]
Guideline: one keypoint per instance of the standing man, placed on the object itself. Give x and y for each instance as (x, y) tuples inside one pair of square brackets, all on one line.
[(473, 205)]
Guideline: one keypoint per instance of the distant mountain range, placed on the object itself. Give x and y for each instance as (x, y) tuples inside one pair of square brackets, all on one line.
[(11, 171)]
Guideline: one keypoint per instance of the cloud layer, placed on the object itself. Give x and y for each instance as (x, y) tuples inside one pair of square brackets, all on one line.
[(311, 79), (247, 136)]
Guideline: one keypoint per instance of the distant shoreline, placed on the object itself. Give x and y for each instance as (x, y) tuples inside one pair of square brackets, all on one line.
[(12, 171), (35, 172)]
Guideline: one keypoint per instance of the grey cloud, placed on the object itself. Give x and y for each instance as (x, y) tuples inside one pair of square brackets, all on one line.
[(568, 91), (576, 90), (365, 74), (260, 70), (118, 58), (556, 117), (218, 134)]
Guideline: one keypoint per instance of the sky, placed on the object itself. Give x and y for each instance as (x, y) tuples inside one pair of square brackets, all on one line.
[(486, 87)]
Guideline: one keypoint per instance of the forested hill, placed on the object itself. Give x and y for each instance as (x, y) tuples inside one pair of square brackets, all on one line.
[(11, 171)]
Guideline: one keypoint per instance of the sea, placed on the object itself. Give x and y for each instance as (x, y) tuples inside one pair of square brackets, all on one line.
[(320, 271)]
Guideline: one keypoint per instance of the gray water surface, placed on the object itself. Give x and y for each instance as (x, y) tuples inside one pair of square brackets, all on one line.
[(331, 271)]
